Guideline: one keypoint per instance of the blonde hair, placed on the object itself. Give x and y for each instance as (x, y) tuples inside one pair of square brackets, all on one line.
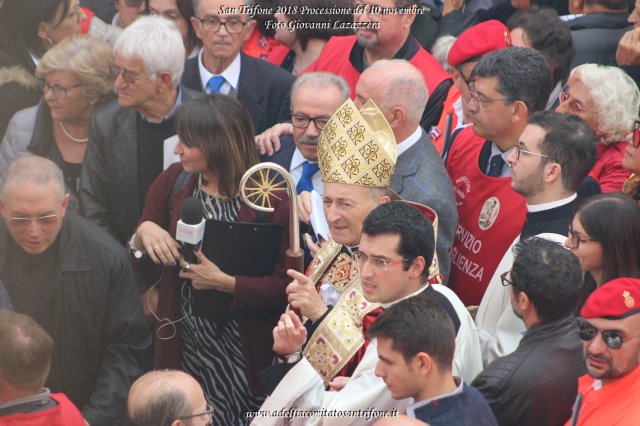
[(87, 57)]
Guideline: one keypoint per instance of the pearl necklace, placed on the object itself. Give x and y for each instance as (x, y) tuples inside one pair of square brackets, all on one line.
[(72, 138)]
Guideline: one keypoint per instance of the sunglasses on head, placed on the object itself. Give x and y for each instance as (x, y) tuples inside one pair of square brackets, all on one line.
[(611, 338)]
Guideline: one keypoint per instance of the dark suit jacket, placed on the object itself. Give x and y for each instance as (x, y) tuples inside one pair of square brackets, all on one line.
[(263, 89), (109, 186), (284, 156), (420, 176), (596, 36)]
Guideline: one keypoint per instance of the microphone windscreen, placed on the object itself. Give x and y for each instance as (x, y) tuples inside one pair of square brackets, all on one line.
[(191, 211)]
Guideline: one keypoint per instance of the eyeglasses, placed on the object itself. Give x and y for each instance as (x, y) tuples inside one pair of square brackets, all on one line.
[(635, 138), (467, 81), (302, 121), (479, 98), (46, 219), (611, 338), (575, 107), (58, 91), (504, 280), (128, 76), (377, 262), (576, 238), (213, 24), (133, 3), (519, 151), (209, 412)]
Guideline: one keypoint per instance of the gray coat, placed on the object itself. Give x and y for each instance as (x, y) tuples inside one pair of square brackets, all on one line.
[(420, 176)]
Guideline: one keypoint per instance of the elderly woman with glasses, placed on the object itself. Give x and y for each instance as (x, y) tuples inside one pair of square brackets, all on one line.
[(605, 235), (74, 76), (608, 99), (28, 28)]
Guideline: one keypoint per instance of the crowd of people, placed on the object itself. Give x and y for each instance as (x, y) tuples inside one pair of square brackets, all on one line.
[(462, 179)]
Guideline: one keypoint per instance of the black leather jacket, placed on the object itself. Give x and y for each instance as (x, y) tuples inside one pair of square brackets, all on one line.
[(537, 383)]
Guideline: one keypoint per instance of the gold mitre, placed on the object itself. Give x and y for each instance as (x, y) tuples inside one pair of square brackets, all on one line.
[(357, 147)]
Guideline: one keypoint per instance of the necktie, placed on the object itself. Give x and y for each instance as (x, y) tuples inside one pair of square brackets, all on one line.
[(308, 170), (495, 165), (215, 83)]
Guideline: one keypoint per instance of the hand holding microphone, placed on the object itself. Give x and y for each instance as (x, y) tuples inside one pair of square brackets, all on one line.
[(190, 229)]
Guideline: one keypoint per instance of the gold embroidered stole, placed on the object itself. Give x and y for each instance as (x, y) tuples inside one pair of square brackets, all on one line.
[(339, 336)]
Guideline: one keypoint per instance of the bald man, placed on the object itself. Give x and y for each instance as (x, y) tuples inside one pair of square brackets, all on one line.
[(167, 397), (400, 91)]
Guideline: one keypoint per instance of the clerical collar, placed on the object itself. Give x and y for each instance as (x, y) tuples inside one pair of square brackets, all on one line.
[(552, 205), (390, 304), (460, 386)]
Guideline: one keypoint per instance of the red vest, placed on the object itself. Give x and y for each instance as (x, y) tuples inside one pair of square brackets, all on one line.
[(335, 58), (437, 133), (490, 216), (63, 414)]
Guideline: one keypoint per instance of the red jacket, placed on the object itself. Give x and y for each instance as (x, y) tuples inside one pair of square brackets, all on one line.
[(63, 414), (608, 170)]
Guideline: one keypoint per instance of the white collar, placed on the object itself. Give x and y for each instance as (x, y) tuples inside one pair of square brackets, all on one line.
[(415, 293), (459, 389), (409, 142), (552, 205), (297, 159), (231, 74)]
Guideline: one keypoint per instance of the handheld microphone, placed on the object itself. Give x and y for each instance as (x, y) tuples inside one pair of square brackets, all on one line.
[(190, 229)]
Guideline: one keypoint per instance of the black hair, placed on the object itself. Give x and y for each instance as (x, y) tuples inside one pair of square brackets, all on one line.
[(613, 220), (418, 324), (548, 34), (19, 23), (522, 73), (570, 142), (549, 275), (413, 227)]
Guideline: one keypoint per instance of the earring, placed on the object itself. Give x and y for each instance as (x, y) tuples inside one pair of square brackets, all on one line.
[(50, 42)]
